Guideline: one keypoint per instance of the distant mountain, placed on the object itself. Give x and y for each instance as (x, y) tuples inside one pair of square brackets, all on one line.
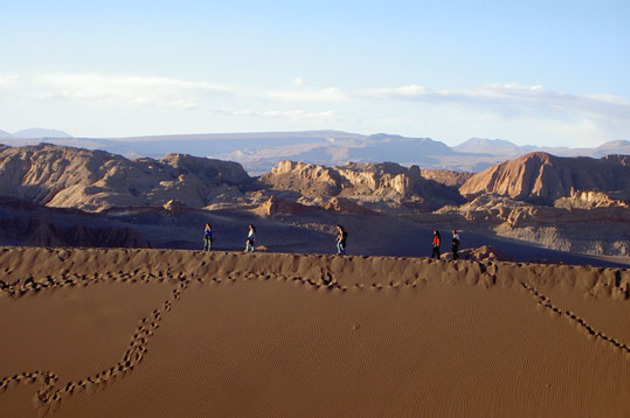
[(40, 133), (260, 152), (613, 147), (488, 146), (5, 135), (361, 149), (542, 178), (502, 148)]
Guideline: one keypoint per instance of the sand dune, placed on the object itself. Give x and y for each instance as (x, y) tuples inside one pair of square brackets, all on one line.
[(148, 333)]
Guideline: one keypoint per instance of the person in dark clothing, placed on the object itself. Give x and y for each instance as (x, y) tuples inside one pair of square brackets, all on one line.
[(436, 244), (342, 235), (455, 242), (207, 238), (250, 243)]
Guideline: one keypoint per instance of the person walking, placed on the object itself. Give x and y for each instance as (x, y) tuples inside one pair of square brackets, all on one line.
[(342, 235), (455, 244), (250, 243), (436, 244), (207, 238)]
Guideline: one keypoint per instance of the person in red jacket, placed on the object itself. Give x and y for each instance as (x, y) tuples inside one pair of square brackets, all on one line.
[(436, 244)]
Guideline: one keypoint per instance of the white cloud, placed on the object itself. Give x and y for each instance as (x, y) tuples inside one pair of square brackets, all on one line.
[(134, 91), (298, 81), (97, 89), (8, 80)]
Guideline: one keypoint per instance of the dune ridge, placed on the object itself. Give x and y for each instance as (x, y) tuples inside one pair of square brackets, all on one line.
[(37, 272)]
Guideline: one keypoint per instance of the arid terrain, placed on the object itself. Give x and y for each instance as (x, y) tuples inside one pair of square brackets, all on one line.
[(147, 333), (111, 309), (537, 207)]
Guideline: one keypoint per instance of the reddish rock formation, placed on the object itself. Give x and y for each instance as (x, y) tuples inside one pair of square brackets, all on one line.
[(543, 178)]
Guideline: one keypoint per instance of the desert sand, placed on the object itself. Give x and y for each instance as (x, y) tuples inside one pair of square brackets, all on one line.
[(164, 333)]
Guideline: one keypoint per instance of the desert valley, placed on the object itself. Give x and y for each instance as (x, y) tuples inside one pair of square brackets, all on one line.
[(314, 209), (111, 308), (535, 207)]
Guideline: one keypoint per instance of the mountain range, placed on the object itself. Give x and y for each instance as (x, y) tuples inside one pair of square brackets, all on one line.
[(259, 152), (75, 196), (34, 133)]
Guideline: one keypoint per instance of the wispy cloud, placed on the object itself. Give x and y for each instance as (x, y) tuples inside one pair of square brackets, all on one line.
[(98, 89), (8, 80), (509, 99), (160, 91), (534, 108), (89, 88)]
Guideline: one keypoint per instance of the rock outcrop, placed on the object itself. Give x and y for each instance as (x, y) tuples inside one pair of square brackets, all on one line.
[(309, 180), (95, 180), (447, 177), (589, 200), (371, 185), (597, 230), (543, 178)]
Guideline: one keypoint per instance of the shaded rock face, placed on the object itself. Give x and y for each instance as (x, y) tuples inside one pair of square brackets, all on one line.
[(276, 206), (543, 178), (39, 230), (618, 159), (447, 177), (368, 184), (95, 180)]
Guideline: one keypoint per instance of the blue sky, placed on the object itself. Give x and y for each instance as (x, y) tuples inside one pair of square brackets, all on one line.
[(537, 72)]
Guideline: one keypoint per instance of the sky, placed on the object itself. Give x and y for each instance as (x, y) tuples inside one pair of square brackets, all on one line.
[(538, 72)]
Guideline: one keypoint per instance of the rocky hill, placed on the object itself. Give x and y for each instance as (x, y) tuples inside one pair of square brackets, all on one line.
[(447, 177), (55, 195), (96, 180), (372, 184), (543, 178), (584, 223)]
